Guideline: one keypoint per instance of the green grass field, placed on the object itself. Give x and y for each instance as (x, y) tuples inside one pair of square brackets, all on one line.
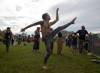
[(21, 59)]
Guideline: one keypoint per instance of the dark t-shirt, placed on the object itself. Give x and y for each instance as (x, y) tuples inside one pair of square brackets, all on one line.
[(82, 34), (8, 35), (37, 34)]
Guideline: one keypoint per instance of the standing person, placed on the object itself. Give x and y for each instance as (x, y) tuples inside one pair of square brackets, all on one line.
[(46, 36), (90, 43), (66, 40), (24, 40), (8, 38), (19, 39), (74, 43), (86, 44), (12, 40), (60, 42), (70, 41), (36, 40), (82, 34), (28, 38)]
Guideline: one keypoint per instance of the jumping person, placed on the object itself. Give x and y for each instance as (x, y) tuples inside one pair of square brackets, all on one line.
[(46, 36)]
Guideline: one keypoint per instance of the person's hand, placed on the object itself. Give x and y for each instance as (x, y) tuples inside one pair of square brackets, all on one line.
[(73, 21), (22, 29)]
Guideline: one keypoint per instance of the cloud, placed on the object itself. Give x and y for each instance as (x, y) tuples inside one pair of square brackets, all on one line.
[(20, 13), (87, 12), (2, 23)]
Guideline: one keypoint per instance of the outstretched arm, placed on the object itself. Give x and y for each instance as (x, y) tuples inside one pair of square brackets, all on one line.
[(34, 24), (57, 17)]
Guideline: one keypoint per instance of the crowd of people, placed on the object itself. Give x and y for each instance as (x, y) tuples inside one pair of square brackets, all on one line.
[(80, 41), (77, 40)]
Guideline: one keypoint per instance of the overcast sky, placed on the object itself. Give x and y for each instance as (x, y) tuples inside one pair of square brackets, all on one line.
[(20, 13)]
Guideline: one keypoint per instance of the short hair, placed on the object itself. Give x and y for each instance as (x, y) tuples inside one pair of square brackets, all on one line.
[(83, 27), (59, 34), (44, 16), (8, 27), (75, 33), (38, 27)]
